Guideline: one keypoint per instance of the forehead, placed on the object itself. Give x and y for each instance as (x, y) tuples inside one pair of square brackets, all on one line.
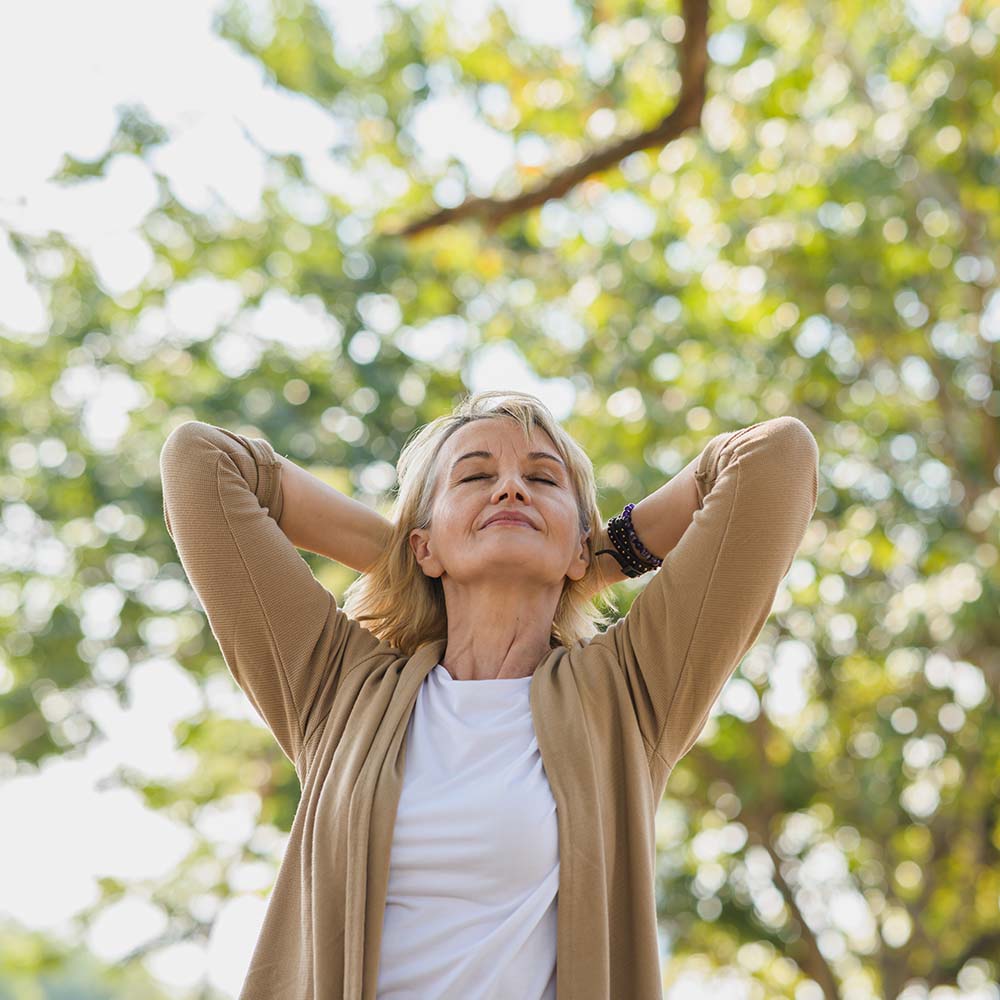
[(496, 433)]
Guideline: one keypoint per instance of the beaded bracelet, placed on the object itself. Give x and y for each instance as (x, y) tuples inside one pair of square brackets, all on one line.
[(622, 532)]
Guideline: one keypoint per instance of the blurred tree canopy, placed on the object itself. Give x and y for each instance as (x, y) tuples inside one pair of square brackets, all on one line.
[(821, 241)]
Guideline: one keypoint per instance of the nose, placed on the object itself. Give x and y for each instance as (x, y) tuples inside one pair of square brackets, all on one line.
[(505, 488)]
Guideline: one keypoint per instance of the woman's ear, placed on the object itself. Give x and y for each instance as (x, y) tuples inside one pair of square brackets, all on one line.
[(578, 568), (419, 540)]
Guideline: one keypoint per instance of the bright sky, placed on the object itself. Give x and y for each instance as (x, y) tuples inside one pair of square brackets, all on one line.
[(222, 117)]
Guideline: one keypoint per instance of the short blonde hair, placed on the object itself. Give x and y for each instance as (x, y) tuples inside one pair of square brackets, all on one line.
[(403, 605)]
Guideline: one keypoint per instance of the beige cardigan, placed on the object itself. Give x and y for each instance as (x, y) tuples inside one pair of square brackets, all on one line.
[(612, 715)]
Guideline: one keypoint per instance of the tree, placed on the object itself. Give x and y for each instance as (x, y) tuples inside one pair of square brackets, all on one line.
[(794, 210)]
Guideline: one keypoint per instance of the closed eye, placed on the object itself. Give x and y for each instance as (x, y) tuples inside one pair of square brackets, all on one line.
[(539, 478)]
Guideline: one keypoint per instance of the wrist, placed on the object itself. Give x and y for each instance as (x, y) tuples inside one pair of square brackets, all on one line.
[(608, 567)]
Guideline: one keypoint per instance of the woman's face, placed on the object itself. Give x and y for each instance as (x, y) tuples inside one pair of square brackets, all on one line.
[(472, 488)]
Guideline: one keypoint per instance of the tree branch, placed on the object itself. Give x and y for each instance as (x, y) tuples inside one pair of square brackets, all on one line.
[(686, 115), (757, 819), (809, 956), (19, 734)]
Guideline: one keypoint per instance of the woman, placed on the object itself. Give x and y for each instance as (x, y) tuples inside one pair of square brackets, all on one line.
[(480, 764)]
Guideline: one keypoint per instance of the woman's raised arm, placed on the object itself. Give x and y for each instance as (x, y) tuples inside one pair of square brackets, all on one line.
[(688, 628), (321, 519), (280, 631)]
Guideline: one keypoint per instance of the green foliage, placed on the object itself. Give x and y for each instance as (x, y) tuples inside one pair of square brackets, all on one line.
[(825, 246)]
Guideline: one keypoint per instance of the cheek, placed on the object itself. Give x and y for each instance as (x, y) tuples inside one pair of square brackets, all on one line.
[(458, 514)]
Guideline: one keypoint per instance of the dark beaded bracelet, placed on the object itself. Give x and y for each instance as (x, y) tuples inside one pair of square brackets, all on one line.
[(623, 535)]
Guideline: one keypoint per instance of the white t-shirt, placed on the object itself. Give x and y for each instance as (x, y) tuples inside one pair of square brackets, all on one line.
[(474, 870)]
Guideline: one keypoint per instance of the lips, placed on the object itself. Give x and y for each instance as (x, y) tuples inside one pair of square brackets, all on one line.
[(519, 518)]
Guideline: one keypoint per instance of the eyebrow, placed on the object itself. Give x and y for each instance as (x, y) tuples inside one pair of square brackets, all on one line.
[(489, 454)]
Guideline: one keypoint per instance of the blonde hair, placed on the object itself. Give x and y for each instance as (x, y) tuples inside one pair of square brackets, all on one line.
[(405, 607)]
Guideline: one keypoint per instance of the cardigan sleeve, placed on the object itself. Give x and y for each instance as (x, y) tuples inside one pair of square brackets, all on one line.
[(284, 639), (688, 629)]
